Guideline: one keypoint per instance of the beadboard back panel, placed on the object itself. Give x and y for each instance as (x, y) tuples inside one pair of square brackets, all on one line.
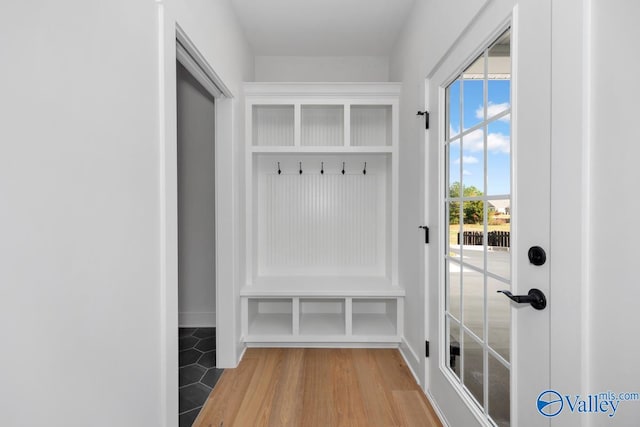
[(321, 224)]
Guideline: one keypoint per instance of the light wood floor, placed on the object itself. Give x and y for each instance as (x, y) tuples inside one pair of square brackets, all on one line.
[(317, 387)]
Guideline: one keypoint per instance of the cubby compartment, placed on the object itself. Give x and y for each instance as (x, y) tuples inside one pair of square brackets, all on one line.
[(375, 316), (273, 125), (322, 125), (371, 125), (322, 316), (270, 316)]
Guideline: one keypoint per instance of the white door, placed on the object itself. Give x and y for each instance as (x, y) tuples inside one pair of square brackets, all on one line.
[(489, 173)]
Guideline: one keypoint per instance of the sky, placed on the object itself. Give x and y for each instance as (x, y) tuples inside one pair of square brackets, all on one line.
[(498, 136)]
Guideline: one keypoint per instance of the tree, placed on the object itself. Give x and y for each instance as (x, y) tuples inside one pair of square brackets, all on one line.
[(454, 207), (473, 211)]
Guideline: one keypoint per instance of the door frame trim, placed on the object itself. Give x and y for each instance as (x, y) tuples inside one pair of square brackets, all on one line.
[(190, 57), (174, 44)]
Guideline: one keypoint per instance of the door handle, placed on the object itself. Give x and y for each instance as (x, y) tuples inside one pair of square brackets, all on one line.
[(535, 297)]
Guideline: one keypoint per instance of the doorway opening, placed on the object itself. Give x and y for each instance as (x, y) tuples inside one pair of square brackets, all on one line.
[(196, 244), (201, 118)]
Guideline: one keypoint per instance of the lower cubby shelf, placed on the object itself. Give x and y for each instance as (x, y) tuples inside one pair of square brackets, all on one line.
[(322, 316), (271, 324), (270, 316), (374, 316), (339, 320)]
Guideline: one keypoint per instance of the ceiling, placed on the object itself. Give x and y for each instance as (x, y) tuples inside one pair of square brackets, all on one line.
[(322, 27)]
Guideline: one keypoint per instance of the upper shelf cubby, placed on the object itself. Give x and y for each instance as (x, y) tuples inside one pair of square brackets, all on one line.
[(322, 125), (273, 125), (318, 117), (370, 125)]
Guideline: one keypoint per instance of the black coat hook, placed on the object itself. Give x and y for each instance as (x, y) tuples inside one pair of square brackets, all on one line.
[(342, 168), (364, 171), (279, 171), (300, 168), (322, 168)]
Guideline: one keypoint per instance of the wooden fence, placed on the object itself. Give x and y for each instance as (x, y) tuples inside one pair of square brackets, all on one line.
[(500, 239)]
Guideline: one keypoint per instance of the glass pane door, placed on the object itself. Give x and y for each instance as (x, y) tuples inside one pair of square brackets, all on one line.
[(477, 207)]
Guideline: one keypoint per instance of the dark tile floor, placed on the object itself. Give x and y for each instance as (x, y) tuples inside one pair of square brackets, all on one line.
[(198, 373)]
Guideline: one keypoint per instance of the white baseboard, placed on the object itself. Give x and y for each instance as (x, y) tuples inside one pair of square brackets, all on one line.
[(244, 350), (320, 345), (410, 356), (436, 409), (197, 319)]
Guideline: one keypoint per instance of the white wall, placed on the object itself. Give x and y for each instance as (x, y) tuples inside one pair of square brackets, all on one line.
[(321, 68), (81, 209), (431, 29), (614, 316), (196, 203)]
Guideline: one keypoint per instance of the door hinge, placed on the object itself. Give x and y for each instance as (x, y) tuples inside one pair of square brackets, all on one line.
[(426, 233), (424, 113), (426, 349)]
